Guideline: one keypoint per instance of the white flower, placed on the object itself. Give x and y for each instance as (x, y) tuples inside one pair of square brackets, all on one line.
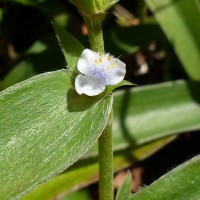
[(98, 71)]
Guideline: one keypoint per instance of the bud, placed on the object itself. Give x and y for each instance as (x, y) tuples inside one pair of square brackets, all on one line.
[(93, 7)]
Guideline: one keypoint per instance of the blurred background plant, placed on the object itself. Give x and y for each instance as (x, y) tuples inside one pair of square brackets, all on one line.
[(159, 42), (29, 46)]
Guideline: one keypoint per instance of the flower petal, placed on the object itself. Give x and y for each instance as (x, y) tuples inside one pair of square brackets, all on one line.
[(87, 85), (87, 61), (103, 69), (116, 72)]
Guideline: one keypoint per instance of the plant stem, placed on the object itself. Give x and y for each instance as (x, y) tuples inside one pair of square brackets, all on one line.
[(106, 163), (95, 33), (94, 26)]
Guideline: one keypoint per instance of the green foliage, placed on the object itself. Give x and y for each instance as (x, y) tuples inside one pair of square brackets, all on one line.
[(165, 98), (128, 40), (109, 89), (82, 194), (45, 126), (93, 7), (178, 20), (38, 120), (71, 48), (21, 72), (181, 183), (45, 113), (171, 108), (124, 190), (85, 171)]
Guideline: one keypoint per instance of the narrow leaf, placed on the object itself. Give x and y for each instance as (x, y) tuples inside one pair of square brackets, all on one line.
[(179, 22)]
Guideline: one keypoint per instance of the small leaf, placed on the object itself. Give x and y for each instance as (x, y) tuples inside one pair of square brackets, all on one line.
[(124, 192), (109, 89), (71, 48)]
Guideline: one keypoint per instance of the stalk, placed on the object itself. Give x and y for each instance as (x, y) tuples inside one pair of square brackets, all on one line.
[(95, 33), (94, 26), (106, 163)]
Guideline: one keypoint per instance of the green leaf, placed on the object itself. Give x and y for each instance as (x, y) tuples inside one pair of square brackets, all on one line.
[(45, 55), (29, 2), (128, 40), (37, 47), (147, 113), (109, 89), (85, 171), (178, 20), (39, 136), (181, 183), (124, 192), (21, 72), (78, 195), (71, 48), (92, 7), (1, 85), (141, 115), (151, 112), (1, 15)]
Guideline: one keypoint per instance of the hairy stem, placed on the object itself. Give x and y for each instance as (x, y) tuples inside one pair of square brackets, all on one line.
[(106, 163), (95, 33), (94, 26)]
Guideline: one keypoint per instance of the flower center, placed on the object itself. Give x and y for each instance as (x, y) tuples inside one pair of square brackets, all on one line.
[(102, 68), (100, 76)]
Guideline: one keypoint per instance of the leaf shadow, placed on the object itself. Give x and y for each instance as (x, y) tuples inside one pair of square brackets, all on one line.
[(123, 114), (194, 88), (79, 103)]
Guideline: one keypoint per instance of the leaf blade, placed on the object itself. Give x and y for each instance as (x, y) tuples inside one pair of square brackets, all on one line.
[(39, 136), (85, 171), (177, 17), (147, 113), (181, 183), (124, 191), (70, 46)]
